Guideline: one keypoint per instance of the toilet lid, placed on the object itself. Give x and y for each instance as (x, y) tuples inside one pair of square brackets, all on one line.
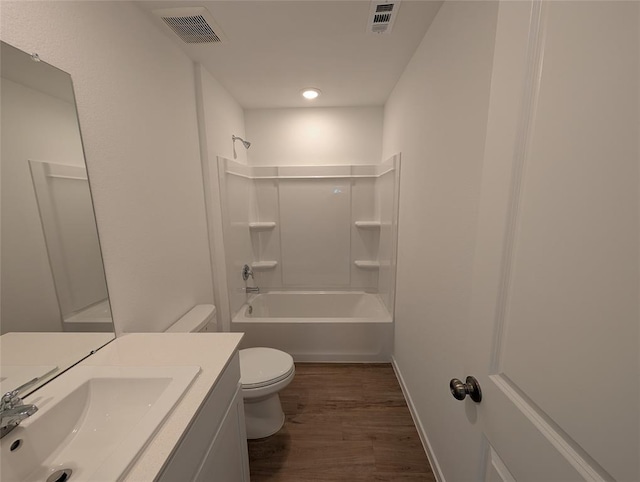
[(263, 366)]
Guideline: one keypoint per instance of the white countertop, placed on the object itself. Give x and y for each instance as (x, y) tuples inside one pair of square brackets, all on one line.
[(210, 351)]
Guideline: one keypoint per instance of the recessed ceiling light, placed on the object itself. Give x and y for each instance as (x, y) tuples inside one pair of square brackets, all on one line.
[(310, 94)]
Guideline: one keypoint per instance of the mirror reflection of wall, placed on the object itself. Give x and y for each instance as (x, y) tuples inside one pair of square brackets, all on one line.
[(52, 273), (68, 223)]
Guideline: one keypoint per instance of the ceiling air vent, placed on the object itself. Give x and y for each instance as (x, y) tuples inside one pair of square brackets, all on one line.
[(382, 15), (194, 25)]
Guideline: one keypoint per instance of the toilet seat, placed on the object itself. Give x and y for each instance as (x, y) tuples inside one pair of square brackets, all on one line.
[(262, 367)]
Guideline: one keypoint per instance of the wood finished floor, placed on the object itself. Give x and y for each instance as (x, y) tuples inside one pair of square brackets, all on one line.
[(344, 422)]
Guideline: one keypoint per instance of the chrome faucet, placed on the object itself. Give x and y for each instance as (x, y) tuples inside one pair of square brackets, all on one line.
[(13, 411), (246, 273), (11, 417)]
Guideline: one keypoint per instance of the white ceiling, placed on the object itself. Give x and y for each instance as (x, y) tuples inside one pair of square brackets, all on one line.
[(276, 48)]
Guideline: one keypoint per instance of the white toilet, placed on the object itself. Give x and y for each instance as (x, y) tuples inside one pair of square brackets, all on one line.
[(263, 373)]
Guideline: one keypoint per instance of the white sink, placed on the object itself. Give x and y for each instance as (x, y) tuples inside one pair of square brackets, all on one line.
[(93, 420)]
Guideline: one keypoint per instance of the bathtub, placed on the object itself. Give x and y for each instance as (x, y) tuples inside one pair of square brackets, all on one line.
[(329, 326)]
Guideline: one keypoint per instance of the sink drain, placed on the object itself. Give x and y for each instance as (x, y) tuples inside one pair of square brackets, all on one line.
[(60, 475)]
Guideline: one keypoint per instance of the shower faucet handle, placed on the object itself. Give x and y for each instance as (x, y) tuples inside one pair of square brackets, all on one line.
[(246, 272)]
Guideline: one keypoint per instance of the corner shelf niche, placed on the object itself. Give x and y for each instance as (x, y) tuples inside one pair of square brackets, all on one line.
[(263, 265), (262, 225), (367, 264)]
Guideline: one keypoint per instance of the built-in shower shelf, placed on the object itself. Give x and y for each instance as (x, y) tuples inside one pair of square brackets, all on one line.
[(368, 224), (262, 226), (263, 265), (367, 264)]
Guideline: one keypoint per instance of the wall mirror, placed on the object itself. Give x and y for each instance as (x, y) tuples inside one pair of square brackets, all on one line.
[(54, 307)]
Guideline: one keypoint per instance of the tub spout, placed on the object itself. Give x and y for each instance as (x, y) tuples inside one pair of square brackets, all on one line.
[(252, 289)]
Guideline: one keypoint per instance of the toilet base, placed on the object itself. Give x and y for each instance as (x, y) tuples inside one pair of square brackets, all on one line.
[(264, 417)]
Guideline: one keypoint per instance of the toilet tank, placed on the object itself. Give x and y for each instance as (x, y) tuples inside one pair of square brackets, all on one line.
[(201, 318)]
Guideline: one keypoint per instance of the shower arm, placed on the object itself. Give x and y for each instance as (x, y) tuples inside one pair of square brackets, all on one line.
[(235, 138)]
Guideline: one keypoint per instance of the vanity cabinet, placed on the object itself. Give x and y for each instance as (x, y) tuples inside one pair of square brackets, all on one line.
[(214, 446)]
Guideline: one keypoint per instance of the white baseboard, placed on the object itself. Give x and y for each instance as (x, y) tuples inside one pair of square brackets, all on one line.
[(339, 358), (418, 423)]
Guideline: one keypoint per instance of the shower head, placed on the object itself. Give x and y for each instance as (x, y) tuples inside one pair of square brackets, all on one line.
[(235, 138), (246, 144)]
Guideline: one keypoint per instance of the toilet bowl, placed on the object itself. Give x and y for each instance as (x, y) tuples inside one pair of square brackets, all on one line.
[(263, 373)]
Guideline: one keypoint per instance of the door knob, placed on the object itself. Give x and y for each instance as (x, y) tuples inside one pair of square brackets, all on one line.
[(460, 390)]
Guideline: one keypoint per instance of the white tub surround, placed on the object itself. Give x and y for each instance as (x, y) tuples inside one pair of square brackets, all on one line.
[(215, 389), (335, 326), (310, 227)]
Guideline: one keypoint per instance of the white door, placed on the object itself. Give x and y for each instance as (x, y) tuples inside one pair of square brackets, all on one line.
[(554, 326)]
